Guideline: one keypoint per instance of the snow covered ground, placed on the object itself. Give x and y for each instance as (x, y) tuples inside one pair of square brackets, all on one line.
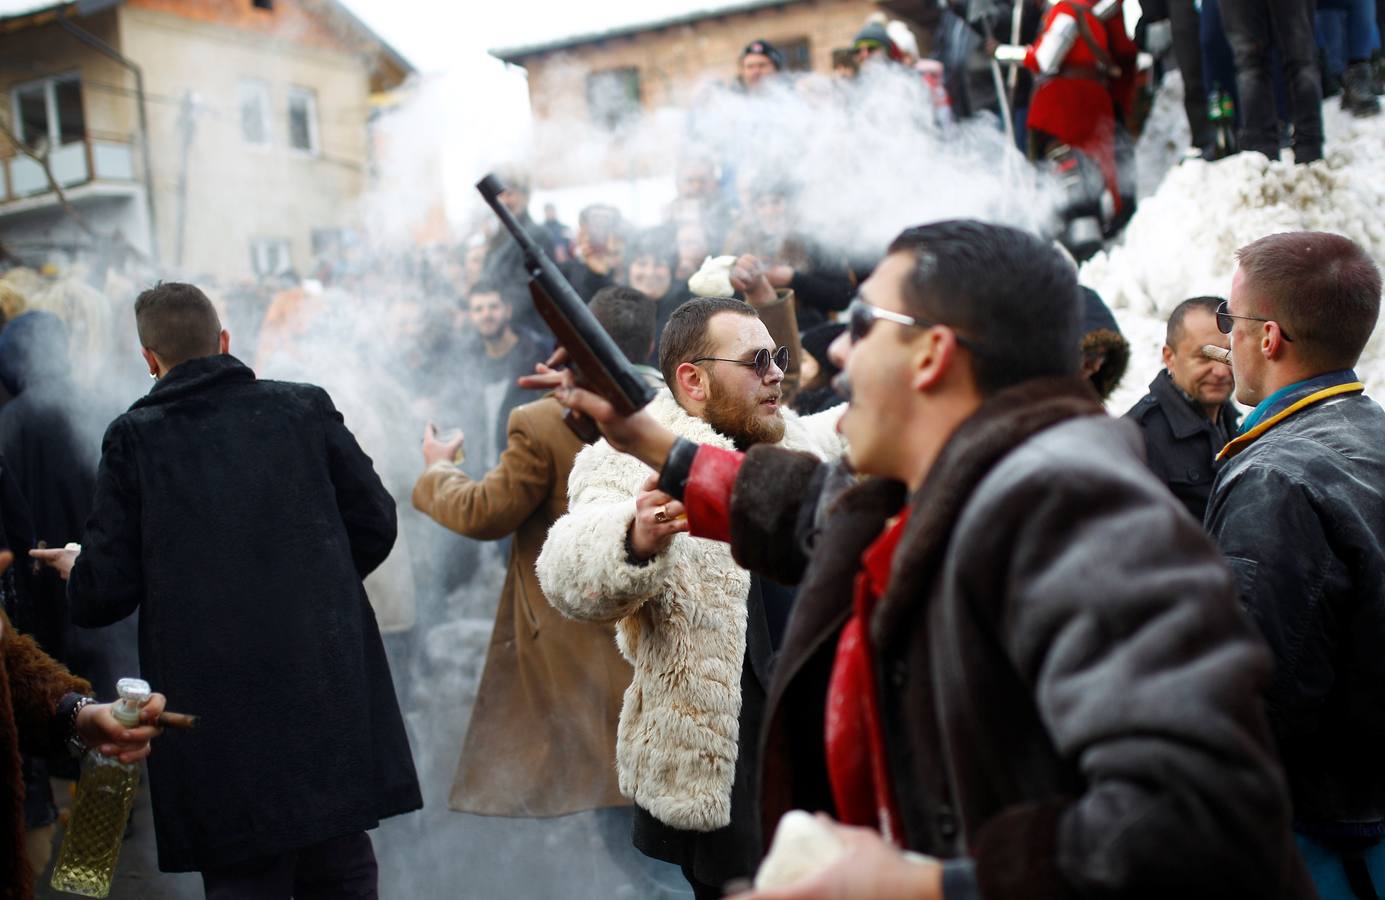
[(1182, 239)]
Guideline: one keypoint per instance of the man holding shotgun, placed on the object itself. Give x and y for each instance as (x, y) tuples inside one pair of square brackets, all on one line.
[(982, 666)]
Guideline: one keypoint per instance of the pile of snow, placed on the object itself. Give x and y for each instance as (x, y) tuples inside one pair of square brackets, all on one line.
[(1164, 139), (1182, 239)]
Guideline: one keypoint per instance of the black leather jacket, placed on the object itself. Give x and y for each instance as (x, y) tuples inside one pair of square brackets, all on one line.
[(1181, 444), (1300, 517)]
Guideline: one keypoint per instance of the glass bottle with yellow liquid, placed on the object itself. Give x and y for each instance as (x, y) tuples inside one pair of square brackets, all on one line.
[(105, 793)]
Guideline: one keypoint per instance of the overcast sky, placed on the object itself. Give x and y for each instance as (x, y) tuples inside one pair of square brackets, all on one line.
[(437, 36)]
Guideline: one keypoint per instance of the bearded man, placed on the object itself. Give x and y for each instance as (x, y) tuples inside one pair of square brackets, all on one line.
[(698, 629)]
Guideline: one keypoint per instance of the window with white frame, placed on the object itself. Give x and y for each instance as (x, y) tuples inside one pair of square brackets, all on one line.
[(254, 112), (270, 256), (303, 120), (49, 112)]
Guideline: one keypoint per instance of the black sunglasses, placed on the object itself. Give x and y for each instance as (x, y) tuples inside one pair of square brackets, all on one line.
[(760, 363), (860, 316), (1224, 323)]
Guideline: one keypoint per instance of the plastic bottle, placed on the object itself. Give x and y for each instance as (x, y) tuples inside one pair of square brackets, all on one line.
[(105, 793)]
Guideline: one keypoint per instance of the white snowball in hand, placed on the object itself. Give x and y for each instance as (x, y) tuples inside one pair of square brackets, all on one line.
[(714, 278), (802, 847)]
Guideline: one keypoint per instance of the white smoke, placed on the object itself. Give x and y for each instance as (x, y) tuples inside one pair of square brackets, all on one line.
[(864, 158)]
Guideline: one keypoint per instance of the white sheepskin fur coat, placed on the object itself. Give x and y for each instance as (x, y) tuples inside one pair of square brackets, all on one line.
[(681, 622)]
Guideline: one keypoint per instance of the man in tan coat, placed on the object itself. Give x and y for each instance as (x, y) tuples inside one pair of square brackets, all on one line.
[(541, 740)]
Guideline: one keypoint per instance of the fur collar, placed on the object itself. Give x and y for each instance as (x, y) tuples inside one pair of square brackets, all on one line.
[(1005, 421)]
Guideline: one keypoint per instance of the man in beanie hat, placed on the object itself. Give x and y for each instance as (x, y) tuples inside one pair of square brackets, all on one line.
[(874, 40), (759, 60)]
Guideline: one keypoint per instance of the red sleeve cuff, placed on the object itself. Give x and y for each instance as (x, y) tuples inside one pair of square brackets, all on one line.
[(708, 493)]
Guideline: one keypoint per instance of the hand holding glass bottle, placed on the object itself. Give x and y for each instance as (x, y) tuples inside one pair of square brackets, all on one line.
[(100, 730)]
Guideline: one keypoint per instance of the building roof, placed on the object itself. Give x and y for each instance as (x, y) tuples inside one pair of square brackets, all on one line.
[(16, 15), (12, 12), (527, 51), (393, 57)]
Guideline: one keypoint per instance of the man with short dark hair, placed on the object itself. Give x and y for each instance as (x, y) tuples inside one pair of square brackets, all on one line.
[(175, 323), (1299, 511), (699, 630), (1011, 650), (632, 322), (495, 354), (239, 517), (1188, 416)]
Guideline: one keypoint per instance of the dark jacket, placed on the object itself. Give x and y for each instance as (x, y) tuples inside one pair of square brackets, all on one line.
[(1074, 710), (239, 516), (585, 281), (1300, 516), (481, 375), (1181, 443), (50, 434)]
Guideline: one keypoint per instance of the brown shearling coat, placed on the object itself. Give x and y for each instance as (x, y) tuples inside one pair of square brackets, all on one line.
[(1069, 695), (31, 684), (542, 737)]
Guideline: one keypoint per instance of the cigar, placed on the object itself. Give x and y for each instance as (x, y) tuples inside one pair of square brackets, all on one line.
[(1217, 354), (180, 721)]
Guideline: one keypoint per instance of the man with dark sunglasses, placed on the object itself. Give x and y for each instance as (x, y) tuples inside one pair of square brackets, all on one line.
[(699, 630), (1298, 509), (1011, 651)]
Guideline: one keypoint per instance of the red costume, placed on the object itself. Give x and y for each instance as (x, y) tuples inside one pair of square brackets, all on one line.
[(1077, 104)]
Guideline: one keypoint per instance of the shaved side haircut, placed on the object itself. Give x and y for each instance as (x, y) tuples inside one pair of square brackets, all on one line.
[(177, 323)]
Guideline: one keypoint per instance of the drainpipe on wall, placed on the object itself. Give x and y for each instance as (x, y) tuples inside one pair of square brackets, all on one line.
[(101, 46)]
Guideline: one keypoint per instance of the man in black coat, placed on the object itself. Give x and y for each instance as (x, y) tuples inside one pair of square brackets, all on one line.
[(239, 516), (50, 434), (1299, 511), (1188, 416), (1010, 650)]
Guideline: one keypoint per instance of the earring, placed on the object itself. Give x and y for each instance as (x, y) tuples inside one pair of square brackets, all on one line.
[(154, 375)]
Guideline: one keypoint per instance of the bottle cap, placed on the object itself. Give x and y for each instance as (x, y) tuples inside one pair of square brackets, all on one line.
[(134, 693)]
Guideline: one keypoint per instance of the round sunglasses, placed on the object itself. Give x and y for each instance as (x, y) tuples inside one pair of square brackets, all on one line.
[(760, 363)]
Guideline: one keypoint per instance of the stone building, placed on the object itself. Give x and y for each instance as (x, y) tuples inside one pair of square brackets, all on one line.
[(219, 137)]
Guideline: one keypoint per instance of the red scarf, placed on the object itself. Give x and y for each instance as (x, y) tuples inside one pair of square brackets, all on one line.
[(856, 762)]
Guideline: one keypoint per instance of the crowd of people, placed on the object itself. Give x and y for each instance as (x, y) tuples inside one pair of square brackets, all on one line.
[(875, 550)]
